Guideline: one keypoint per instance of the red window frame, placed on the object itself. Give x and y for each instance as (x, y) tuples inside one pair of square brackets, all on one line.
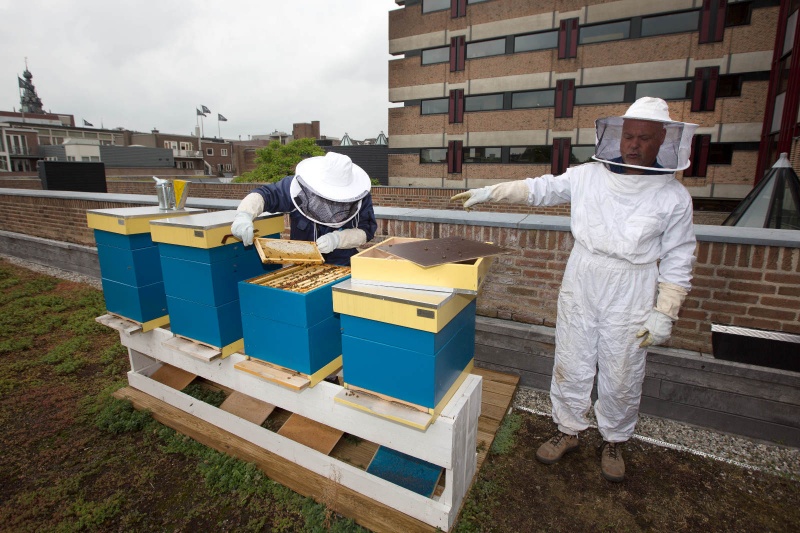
[(698, 168), (562, 148), (704, 91), (455, 155), (458, 8), (568, 38), (712, 21), (456, 106), (458, 51), (565, 98)]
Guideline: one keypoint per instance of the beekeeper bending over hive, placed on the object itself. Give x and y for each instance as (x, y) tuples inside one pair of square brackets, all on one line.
[(328, 201), (627, 276)]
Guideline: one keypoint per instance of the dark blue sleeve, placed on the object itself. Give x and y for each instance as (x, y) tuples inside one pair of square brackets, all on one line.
[(366, 217), (276, 196)]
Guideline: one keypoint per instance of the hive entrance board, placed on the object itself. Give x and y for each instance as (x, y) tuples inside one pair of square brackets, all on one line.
[(302, 278), (288, 251), (432, 252)]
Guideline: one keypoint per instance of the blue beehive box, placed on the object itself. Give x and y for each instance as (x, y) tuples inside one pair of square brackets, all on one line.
[(407, 344), (290, 326), (202, 265), (130, 266)]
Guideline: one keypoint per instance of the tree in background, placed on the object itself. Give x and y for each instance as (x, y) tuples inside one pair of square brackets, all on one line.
[(277, 160)]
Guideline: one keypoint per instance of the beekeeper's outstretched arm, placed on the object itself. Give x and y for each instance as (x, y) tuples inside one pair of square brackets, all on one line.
[(545, 190)]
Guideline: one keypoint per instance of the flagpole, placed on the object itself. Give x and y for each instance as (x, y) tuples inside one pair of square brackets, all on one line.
[(218, 130)]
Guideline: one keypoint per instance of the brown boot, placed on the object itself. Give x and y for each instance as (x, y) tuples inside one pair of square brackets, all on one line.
[(611, 463), (555, 448)]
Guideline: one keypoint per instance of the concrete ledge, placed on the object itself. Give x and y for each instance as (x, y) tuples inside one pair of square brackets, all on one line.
[(748, 400), (63, 255)]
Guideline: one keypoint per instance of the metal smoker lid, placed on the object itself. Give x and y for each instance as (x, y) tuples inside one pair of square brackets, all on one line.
[(432, 252)]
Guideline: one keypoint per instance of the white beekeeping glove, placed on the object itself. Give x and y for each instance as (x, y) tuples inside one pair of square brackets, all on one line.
[(249, 208), (515, 192), (657, 329)]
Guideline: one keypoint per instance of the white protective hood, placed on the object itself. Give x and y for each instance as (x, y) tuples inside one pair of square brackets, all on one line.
[(674, 152)]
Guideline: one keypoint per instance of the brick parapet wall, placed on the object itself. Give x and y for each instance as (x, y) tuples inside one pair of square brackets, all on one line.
[(749, 285)]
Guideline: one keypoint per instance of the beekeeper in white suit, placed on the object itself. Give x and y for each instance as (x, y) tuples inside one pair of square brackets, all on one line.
[(627, 276)]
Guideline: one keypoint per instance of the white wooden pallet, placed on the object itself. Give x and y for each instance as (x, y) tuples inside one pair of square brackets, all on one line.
[(450, 442)]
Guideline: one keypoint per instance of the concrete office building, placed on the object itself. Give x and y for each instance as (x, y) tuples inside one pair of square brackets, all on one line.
[(494, 90)]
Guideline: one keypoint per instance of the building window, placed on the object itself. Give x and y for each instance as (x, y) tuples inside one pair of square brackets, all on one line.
[(531, 99), (720, 154), (482, 155), (668, 90), (565, 98), (70, 158), (712, 21), (186, 146), (436, 55), (600, 94), (223, 151), (738, 14), (536, 41), (599, 33), (228, 167), (433, 155), (433, 107), (458, 8), (429, 6), (530, 155), (582, 154), (729, 85), (568, 38), (672, 23), (704, 90), (561, 153), (209, 151), (455, 106), (455, 151), (699, 157), (495, 47), (484, 102)]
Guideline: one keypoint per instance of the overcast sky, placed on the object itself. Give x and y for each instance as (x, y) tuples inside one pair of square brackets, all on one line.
[(262, 64)]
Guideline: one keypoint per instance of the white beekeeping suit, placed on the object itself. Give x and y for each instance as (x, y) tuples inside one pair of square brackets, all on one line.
[(629, 270)]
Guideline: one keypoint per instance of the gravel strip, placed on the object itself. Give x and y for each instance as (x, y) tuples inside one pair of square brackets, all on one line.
[(53, 271), (748, 453)]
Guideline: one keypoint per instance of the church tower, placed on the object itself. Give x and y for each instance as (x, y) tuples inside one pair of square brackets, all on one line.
[(29, 100)]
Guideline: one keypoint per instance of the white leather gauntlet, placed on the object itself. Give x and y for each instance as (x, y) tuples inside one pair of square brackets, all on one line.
[(253, 203), (515, 192)]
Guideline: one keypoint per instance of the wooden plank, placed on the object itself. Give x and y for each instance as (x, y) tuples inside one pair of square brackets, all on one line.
[(492, 376), (355, 451), (121, 324), (493, 398), (731, 403), (503, 389), (309, 433), (396, 412), (735, 424), (366, 511), (282, 376), (244, 406), (172, 376), (708, 378), (193, 348), (494, 412)]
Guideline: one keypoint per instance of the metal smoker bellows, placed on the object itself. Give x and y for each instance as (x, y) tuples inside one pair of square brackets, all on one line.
[(302, 278)]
